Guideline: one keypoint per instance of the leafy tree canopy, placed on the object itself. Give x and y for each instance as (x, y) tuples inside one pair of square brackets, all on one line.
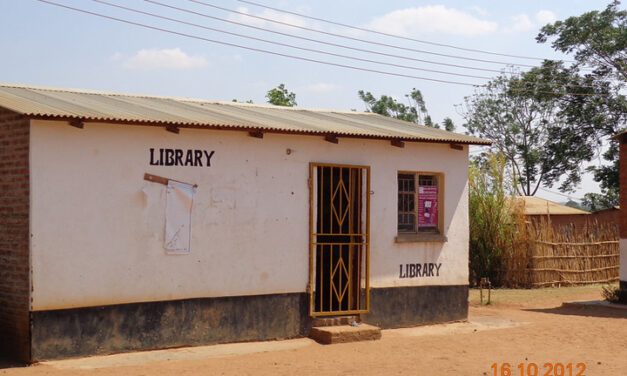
[(597, 39), (546, 121), (415, 111), (280, 96), (598, 201)]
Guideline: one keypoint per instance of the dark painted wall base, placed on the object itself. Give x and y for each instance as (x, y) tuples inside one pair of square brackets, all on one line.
[(396, 307), (623, 285), (140, 326)]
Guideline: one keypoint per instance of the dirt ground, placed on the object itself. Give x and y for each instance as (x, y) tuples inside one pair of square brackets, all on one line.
[(541, 331)]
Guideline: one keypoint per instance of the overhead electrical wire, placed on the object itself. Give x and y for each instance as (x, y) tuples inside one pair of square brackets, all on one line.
[(282, 54), (325, 43), (355, 38), (570, 197), (320, 41), (286, 44), (252, 48), (392, 35)]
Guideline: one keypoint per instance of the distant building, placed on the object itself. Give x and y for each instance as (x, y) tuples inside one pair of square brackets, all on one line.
[(537, 209), (606, 216)]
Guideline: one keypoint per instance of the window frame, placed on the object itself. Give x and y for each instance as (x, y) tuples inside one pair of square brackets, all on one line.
[(438, 235)]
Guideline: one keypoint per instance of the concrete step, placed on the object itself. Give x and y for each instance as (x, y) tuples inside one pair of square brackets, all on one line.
[(335, 321), (345, 333)]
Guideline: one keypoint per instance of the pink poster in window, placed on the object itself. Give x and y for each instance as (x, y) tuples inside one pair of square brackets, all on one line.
[(427, 206)]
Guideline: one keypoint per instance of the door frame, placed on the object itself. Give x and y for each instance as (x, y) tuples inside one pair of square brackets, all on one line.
[(313, 247)]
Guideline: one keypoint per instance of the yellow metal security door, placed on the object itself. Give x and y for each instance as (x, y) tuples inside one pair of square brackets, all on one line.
[(339, 228)]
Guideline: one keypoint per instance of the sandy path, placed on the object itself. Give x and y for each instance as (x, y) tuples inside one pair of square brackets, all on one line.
[(595, 336)]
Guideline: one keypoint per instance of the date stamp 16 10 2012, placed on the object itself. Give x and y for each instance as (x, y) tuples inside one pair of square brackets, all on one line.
[(533, 369)]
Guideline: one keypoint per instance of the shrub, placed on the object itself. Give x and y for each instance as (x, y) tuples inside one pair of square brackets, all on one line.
[(494, 220), (614, 294)]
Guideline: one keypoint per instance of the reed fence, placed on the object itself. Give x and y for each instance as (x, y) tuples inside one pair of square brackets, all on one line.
[(546, 256)]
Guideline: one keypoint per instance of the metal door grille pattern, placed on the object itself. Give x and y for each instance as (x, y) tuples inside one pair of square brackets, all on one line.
[(339, 254)]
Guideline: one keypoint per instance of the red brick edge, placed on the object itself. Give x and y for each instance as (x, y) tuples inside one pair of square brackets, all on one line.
[(623, 188), (14, 236)]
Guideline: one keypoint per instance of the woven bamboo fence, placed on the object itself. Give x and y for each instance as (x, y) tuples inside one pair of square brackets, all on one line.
[(546, 256)]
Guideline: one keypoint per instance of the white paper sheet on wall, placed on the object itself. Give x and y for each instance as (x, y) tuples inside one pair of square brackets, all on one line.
[(178, 217)]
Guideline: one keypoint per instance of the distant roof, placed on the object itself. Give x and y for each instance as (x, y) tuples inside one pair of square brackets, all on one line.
[(56, 103), (539, 206)]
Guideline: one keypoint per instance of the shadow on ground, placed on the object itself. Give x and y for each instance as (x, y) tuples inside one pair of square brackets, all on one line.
[(586, 311)]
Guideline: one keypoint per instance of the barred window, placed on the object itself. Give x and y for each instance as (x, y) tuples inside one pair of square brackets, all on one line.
[(419, 203), (406, 203)]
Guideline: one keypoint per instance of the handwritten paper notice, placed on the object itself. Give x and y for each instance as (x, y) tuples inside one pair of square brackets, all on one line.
[(178, 213)]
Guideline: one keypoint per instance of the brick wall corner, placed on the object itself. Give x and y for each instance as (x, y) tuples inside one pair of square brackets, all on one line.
[(14, 236)]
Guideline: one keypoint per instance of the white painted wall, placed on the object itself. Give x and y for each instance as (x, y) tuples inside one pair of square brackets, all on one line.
[(97, 226), (622, 274)]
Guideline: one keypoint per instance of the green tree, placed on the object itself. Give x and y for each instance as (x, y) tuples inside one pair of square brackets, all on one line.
[(598, 201), (280, 96), (415, 111), (448, 124), (597, 39), (530, 118)]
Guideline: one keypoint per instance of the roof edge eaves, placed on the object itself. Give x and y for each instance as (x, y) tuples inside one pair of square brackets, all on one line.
[(194, 125)]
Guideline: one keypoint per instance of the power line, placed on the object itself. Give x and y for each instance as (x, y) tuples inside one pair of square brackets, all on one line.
[(570, 197), (285, 44), (278, 53), (393, 35), (354, 38), (253, 48), (325, 43), (320, 41)]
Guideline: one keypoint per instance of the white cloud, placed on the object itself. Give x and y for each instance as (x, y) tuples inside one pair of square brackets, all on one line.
[(432, 19), (269, 14), (522, 22), (544, 17), (321, 87), (155, 59), (478, 10)]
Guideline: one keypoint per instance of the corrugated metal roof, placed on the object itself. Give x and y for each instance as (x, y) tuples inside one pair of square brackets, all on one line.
[(539, 206), (43, 102)]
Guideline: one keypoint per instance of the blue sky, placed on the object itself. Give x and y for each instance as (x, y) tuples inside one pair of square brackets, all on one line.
[(49, 46)]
